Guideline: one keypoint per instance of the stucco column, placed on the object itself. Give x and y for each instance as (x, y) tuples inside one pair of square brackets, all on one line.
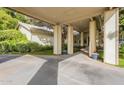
[(70, 39), (111, 34), (82, 39), (92, 37), (57, 39)]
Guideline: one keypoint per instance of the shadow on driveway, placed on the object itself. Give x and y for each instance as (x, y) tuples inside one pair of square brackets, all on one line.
[(47, 74), (4, 58)]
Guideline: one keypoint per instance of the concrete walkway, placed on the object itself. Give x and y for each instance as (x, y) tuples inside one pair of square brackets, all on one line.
[(80, 69), (19, 70), (53, 70)]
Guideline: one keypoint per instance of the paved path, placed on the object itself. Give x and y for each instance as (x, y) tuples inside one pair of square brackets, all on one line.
[(53, 70), (48, 73), (80, 69), (4, 58), (20, 70)]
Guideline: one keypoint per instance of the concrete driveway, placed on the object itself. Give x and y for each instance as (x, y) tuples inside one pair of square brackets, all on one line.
[(61, 70), (19, 70), (80, 69)]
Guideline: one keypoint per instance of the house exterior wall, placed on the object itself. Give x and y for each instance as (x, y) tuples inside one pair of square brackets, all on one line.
[(43, 38), (25, 32)]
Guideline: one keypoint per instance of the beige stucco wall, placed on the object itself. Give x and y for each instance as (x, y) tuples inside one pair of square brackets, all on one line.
[(43, 38)]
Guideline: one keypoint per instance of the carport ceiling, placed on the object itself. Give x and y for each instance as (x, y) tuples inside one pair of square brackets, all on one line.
[(82, 25), (61, 15)]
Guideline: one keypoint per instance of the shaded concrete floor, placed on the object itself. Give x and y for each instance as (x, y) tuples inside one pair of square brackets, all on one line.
[(52, 70), (4, 58), (80, 69), (48, 73), (29, 69)]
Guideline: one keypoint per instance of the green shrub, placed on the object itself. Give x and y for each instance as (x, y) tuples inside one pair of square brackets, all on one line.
[(46, 47), (4, 47), (12, 36), (22, 48), (101, 55), (77, 48), (121, 50), (34, 47), (64, 47), (14, 41), (12, 48)]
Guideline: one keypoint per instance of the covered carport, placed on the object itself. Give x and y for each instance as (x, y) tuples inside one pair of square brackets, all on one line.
[(82, 20)]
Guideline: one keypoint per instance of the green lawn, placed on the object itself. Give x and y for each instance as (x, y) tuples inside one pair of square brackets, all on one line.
[(44, 52), (121, 62), (121, 57)]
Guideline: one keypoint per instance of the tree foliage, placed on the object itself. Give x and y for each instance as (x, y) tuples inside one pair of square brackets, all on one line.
[(6, 21), (121, 16), (121, 19), (9, 19)]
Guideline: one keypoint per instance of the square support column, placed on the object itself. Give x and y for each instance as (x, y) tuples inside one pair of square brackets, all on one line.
[(92, 37), (82, 39), (57, 39), (70, 39), (111, 35)]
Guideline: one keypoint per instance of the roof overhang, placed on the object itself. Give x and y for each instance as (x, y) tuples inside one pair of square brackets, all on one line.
[(60, 15)]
